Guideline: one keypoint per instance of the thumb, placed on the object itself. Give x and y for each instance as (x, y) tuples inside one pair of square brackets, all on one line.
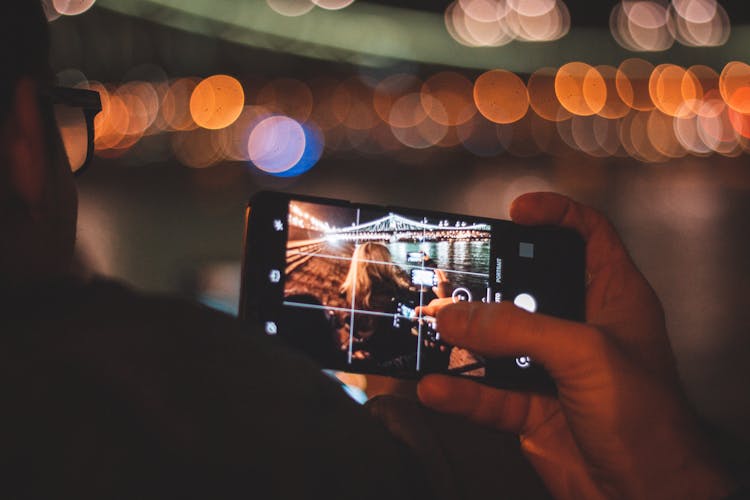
[(563, 347)]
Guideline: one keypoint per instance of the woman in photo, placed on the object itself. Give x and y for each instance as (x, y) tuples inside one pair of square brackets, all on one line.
[(374, 283)]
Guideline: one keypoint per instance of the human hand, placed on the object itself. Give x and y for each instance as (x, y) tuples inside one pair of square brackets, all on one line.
[(443, 288), (619, 426)]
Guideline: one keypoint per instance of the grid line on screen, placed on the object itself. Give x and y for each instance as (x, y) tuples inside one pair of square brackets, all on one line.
[(407, 265), (346, 309)]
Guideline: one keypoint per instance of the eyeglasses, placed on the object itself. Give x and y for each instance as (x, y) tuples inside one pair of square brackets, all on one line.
[(74, 111)]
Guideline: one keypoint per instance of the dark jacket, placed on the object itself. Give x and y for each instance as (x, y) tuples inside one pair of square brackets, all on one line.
[(111, 394)]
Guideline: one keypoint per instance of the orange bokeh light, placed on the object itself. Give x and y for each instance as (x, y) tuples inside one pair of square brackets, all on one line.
[(217, 101), (501, 96), (390, 89), (112, 123), (287, 96), (740, 122), (670, 89), (734, 85), (175, 106), (454, 92), (614, 107), (542, 97), (352, 104), (424, 134), (407, 111), (632, 80), (580, 89)]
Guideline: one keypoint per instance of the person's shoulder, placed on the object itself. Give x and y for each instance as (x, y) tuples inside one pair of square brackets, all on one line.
[(158, 376), (114, 297)]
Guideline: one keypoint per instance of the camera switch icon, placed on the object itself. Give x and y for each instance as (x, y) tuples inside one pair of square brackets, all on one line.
[(523, 362), (271, 328), (274, 276)]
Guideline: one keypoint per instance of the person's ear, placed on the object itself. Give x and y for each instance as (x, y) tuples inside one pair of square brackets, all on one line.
[(24, 137)]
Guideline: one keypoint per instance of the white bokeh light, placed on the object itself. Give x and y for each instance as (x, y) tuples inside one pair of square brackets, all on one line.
[(276, 144)]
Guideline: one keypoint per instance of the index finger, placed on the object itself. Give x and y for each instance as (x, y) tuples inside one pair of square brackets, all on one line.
[(603, 245), (565, 348), (433, 307)]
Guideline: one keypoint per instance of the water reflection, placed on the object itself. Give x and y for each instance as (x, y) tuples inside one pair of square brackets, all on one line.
[(456, 258)]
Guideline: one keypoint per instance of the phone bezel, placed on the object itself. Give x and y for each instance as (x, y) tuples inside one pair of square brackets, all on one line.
[(534, 378)]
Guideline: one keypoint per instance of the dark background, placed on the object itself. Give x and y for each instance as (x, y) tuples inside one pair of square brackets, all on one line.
[(167, 228)]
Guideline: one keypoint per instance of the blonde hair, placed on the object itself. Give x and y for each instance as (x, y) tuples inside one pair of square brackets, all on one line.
[(371, 263)]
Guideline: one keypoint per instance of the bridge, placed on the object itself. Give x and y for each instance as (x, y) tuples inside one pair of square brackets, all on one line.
[(396, 228)]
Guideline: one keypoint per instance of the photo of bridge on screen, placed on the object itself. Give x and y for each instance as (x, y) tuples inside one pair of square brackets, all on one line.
[(369, 270)]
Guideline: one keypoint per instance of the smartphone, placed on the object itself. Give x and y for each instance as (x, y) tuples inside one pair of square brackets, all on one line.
[(342, 281), (424, 277), (415, 257)]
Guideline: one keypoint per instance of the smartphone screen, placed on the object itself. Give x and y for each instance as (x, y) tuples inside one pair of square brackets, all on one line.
[(343, 282)]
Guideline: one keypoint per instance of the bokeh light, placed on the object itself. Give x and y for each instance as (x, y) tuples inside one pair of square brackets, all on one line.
[(287, 96), (661, 134), (392, 88), (652, 114), (352, 104), (734, 85), (217, 101), (484, 10), (582, 132), (542, 97), (314, 145), (413, 127), (333, 4), (614, 107), (532, 8), (276, 144), (700, 23), (453, 94), (234, 138), (475, 31), (740, 123), (550, 25), (714, 126), (651, 25), (501, 96), (72, 7), (670, 86), (580, 89), (632, 82), (291, 8), (695, 11), (686, 130), (175, 106), (407, 111), (493, 23)]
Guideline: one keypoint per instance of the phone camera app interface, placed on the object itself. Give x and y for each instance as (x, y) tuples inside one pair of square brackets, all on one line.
[(355, 279)]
